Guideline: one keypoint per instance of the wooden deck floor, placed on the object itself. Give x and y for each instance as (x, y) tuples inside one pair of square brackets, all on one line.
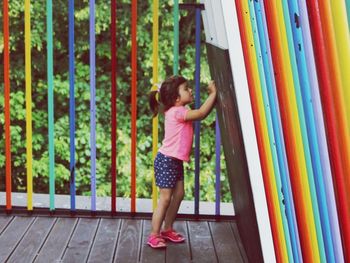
[(52, 239)]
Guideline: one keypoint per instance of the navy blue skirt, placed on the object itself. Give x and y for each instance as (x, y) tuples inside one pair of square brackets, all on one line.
[(168, 171)]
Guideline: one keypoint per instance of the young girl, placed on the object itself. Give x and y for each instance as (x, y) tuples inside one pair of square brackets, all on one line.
[(172, 97)]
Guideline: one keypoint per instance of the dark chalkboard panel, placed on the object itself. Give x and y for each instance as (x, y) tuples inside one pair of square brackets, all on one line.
[(236, 160)]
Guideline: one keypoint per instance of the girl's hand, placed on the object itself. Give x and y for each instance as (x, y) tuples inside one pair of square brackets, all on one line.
[(211, 87)]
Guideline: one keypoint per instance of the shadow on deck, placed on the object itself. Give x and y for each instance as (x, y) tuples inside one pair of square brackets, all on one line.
[(102, 239)]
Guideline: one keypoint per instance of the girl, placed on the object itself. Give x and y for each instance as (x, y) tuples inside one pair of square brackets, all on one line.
[(174, 94)]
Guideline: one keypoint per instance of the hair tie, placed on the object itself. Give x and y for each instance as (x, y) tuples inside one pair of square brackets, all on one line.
[(158, 85)]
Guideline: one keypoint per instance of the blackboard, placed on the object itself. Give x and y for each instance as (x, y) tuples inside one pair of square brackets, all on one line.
[(233, 144)]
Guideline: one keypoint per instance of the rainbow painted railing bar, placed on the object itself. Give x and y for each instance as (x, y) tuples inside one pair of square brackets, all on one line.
[(197, 124), (50, 102), (133, 101), (72, 120), (7, 103), (296, 59), (92, 104), (71, 103), (155, 31), (28, 79), (113, 105)]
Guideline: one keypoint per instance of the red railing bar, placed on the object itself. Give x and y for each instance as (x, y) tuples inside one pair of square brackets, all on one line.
[(7, 103), (113, 105)]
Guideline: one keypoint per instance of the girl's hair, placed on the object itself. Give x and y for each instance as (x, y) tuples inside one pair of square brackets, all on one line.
[(167, 95)]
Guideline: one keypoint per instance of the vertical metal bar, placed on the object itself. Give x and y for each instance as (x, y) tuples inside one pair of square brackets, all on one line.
[(28, 78), (113, 105), (176, 37), (92, 105), (50, 102), (217, 167), (7, 103), (71, 104), (133, 102), (197, 105), (155, 80)]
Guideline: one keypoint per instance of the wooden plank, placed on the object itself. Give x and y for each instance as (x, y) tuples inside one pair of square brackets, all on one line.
[(58, 238), (225, 242), (27, 249), (179, 253), (4, 221), (79, 246), (105, 241), (149, 254), (201, 243), (13, 235), (239, 241), (128, 246)]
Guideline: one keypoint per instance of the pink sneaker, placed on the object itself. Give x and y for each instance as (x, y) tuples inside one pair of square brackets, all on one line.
[(172, 235), (156, 241)]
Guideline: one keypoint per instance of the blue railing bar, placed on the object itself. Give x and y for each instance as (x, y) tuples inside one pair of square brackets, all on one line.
[(197, 105), (71, 103)]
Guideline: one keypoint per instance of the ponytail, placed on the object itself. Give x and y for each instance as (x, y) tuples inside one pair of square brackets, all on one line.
[(153, 102)]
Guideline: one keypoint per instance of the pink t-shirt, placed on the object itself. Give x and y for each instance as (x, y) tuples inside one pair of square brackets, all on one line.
[(178, 136)]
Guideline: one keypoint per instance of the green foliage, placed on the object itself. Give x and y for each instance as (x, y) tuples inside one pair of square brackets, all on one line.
[(82, 97)]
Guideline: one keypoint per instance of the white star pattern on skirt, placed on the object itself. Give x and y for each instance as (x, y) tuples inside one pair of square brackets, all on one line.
[(167, 171)]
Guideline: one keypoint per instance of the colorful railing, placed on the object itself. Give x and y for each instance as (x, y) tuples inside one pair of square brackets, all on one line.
[(72, 132), (297, 59)]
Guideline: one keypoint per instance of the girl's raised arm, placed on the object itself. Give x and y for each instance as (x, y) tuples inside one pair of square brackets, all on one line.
[(207, 106)]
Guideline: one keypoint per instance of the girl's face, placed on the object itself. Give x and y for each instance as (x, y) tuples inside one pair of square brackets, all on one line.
[(185, 94)]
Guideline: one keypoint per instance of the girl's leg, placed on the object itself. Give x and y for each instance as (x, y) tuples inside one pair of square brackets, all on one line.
[(177, 197), (159, 213)]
